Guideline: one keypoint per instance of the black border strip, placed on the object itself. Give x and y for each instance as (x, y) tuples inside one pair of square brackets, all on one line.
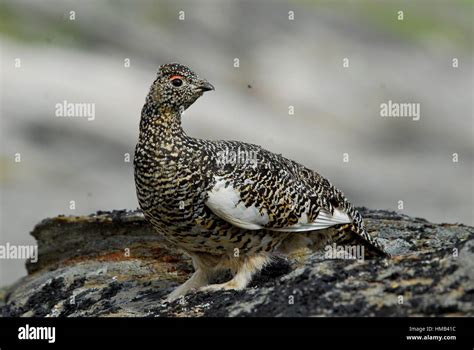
[(372, 331)]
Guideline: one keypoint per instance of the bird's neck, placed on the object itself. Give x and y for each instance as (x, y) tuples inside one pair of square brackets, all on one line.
[(162, 124)]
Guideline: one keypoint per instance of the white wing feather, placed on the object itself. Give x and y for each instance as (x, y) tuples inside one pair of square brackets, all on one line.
[(226, 203)]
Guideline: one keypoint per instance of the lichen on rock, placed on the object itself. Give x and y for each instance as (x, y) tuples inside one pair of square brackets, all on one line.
[(115, 264)]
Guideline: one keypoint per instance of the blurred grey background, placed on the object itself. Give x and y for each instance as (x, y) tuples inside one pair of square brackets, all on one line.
[(282, 63)]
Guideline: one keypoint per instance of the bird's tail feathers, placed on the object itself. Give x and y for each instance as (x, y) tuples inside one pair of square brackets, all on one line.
[(351, 235)]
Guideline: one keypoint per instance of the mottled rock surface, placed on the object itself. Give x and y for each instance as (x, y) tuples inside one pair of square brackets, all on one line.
[(114, 264)]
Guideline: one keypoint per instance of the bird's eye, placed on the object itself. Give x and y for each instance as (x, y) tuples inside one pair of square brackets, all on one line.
[(177, 81)]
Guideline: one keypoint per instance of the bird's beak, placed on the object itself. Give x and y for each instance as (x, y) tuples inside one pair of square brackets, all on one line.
[(204, 85)]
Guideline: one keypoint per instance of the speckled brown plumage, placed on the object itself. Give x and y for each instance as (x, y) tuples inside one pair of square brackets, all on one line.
[(232, 211)]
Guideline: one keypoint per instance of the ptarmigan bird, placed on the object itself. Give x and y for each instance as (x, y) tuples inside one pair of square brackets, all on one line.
[(229, 204)]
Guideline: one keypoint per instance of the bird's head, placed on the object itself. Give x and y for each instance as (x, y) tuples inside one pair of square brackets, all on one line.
[(177, 87)]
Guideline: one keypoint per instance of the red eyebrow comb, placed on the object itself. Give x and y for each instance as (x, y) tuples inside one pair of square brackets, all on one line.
[(176, 77)]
